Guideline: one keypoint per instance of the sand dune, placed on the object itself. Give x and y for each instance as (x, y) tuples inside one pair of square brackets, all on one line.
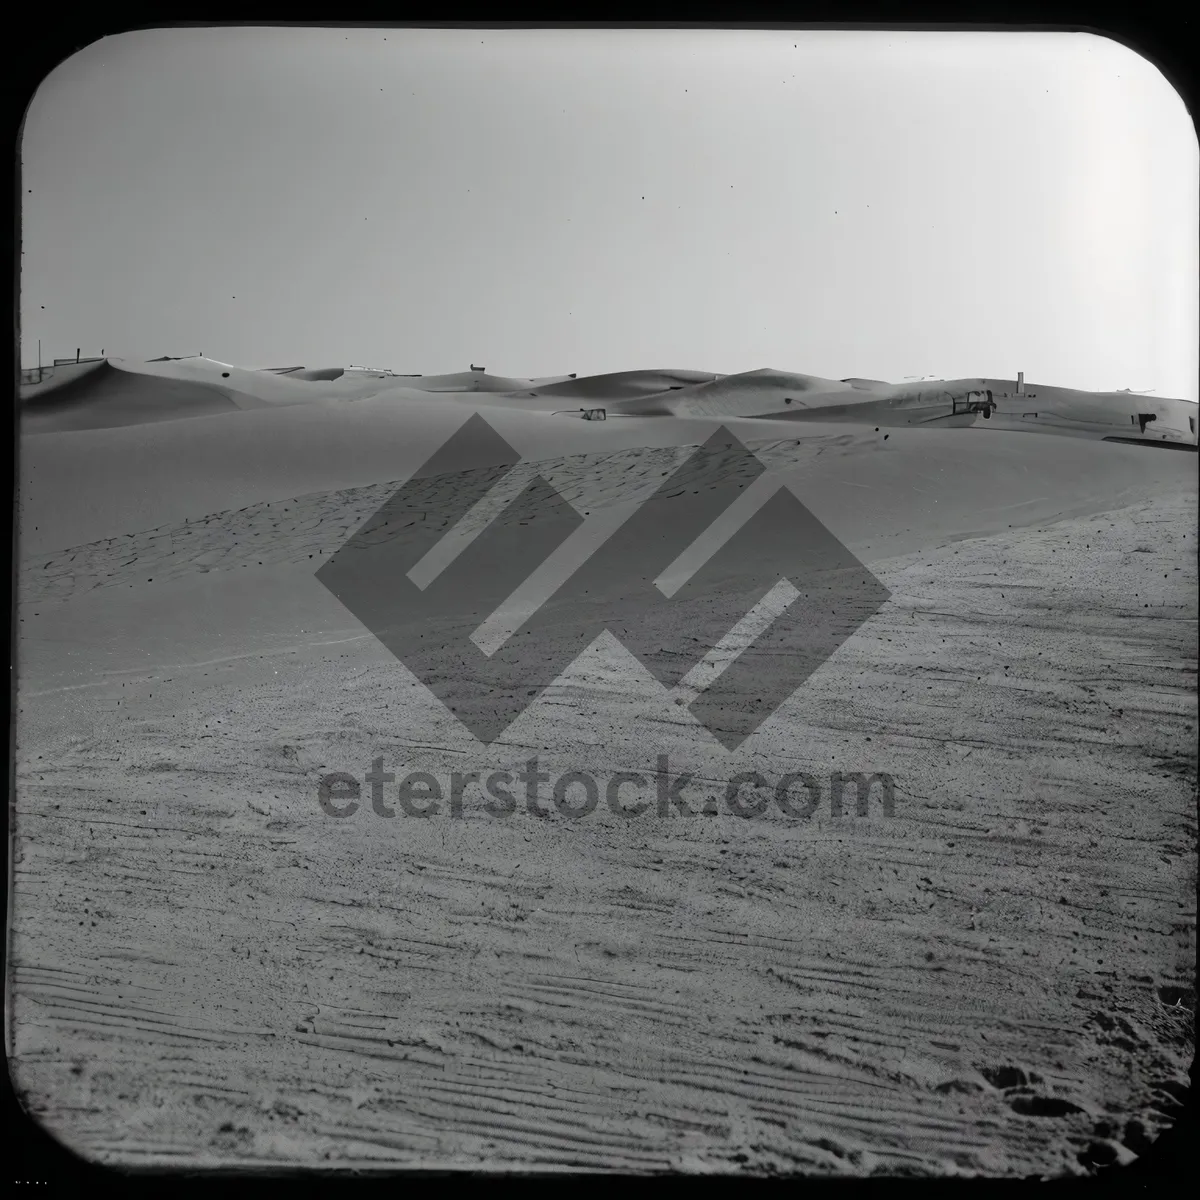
[(946, 403), (117, 392), (208, 969), (313, 374), (140, 475), (623, 385), (869, 385), (58, 375), (1089, 414), (1055, 410), (758, 393), (479, 381), (105, 395), (880, 499), (255, 436), (984, 983)]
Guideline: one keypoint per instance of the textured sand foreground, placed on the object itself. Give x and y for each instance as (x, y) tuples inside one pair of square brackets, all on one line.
[(207, 969)]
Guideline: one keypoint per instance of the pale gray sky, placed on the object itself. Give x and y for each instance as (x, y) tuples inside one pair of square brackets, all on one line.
[(541, 202)]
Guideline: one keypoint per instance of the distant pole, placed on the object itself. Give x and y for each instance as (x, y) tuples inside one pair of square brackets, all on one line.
[(77, 349), (1020, 383)]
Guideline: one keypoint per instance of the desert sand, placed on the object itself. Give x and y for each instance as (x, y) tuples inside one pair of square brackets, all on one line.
[(207, 969)]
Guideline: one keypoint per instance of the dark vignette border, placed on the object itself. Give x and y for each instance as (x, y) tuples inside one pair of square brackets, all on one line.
[(1159, 33)]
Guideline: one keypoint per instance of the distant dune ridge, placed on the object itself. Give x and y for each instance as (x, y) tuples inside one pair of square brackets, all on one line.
[(110, 392), (749, 394), (313, 374), (624, 385), (177, 439)]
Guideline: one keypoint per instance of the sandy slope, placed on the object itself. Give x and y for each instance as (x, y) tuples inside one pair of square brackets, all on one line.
[(144, 475), (207, 969), (109, 433), (914, 491)]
